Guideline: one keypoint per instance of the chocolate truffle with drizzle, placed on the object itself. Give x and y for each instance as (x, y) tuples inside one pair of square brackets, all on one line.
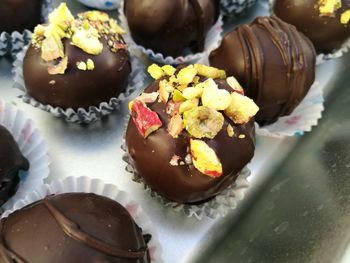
[(191, 132), (70, 228), (274, 62), (76, 63), (170, 27)]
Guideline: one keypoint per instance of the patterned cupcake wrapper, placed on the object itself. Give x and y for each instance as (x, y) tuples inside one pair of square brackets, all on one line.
[(321, 58), (89, 185), (212, 41), (81, 115), (12, 43), (232, 8), (31, 145), (101, 4), (219, 206), (301, 120)]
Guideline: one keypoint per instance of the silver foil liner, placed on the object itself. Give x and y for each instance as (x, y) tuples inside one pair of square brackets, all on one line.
[(86, 184), (101, 4), (235, 7), (81, 115), (14, 42), (218, 206), (212, 41)]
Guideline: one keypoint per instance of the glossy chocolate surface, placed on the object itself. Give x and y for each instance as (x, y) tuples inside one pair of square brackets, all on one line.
[(11, 162), (273, 61), (184, 183), (169, 27), (17, 15), (326, 33), (77, 88), (72, 228)]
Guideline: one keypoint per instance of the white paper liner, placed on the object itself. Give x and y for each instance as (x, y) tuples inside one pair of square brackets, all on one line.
[(31, 145), (86, 184), (302, 119), (235, 7), (101, 4), (321, 58), (212, 41), (216, 207), (81, 115), (14, 42)]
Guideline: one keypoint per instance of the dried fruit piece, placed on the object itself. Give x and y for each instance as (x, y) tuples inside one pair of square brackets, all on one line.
[(205, 159), (146, 120), (241, 109), (51, 49), (186, 75), (210, 72), (155, 71), (188, 104), (59, 68), (88, 41), (203, 122), (177, 96), (168, 70), (176, 125), (230, 131), (215, 98), (234, 84), (345, 17)]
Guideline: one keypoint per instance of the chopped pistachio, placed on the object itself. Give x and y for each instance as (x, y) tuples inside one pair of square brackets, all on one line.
[(155, 71), (345, 17), (90, 65), (230, 131), (186, 75), (81, 65)]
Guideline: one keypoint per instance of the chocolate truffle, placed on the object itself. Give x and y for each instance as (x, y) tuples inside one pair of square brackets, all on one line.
[(76, 63), (170, 27), (17, 15), (322, 25), (11, 163), (273, 61), (191, 132), (71, 228)]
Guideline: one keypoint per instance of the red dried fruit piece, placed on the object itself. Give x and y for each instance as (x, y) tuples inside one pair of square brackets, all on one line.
[(146, 120)]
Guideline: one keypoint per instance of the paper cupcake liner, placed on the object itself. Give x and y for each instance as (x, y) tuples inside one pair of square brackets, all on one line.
[(31, 145), (101, 4), (14, 42), (81, 115), (235, 7), (86, 184), (321, 58), (212, 41), (216, 207), (302, 119)]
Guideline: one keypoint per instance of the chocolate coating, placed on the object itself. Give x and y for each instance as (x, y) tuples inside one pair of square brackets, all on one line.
[(77, 88), (11, 162), (72, 228), (326, 33), (169, 27), (273, 61), (17, 15), (184, 183)]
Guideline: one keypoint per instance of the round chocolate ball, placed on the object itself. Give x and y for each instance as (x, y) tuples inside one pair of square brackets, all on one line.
[(72, 227), (11, 163), (171, 27), (326, 32), (17, 15), (272, 60)]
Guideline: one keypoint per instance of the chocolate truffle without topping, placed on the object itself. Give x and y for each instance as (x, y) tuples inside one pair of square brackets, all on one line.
[(71, 228), (11, 162), (17, 15), (169, 27), (327, 33), (273, 61)]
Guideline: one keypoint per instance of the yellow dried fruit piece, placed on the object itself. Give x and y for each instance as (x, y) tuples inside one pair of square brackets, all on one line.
[(241, 109), (176, 125), (81, 65), (230, 131), (188, 105), (177, 96), (90, 65), (51, 49), (96, 16), (61, 16), (345, 17), (168, 70), (328, 7), (215, 98), (205, 159), (60, 68), (210, 72), (186, 75), (87, 41), (203, 122), (155, 71), (234, 84), (193, 92)]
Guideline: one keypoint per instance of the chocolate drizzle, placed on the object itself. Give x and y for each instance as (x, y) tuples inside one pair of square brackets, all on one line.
[(274, 62)]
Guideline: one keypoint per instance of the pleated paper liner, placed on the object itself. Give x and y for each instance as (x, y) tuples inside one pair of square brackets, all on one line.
[(233, 8), (101, 4)]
